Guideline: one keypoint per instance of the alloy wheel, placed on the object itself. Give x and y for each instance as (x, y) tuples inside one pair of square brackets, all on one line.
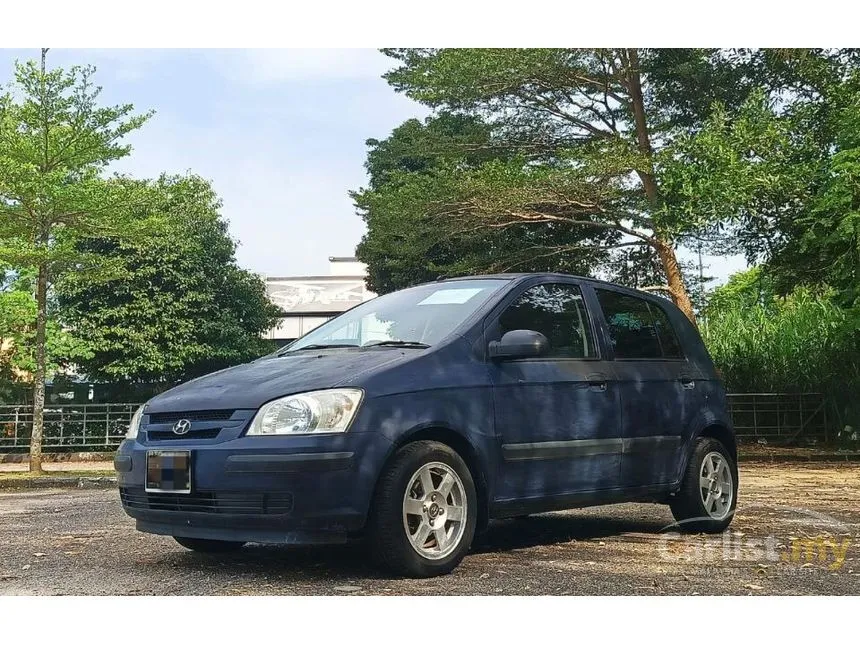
[(434, 510), (716, 485)]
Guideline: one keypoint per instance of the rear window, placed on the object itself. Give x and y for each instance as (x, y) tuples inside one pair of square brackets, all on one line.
[(666, 333), (638, 329)]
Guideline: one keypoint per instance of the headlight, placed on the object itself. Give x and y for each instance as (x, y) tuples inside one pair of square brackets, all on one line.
[(307, 413), (134, 425)]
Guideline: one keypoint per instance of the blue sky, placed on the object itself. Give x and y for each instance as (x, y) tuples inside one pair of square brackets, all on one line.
[(280, 133)]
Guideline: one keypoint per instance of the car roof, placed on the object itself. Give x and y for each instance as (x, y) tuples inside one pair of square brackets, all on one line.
[(518, 277)]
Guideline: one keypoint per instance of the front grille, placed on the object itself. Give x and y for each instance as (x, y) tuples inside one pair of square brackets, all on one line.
[(169, 435), (198, 415), (232, 503)]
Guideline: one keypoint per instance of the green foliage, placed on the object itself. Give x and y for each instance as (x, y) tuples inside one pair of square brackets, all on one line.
[(821, 245), (800, 343), (414, 174), (55, 142), (180, 306), (729, 179), (604, 156), (17, 333), (744, 290)]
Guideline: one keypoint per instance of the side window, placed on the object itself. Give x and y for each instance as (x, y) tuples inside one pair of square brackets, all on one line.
[(558, 312), (631, 326), (666, 333)]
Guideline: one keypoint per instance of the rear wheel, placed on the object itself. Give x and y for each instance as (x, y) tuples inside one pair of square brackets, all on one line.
[(708, 495), (424, 512), (208, 546)]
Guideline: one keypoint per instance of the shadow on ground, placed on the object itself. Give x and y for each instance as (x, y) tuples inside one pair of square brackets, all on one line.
[(558, 528), (347, 562)]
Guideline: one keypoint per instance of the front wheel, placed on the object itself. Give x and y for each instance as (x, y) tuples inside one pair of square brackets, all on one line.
[(424, 512), (708, 495), (208, 546)]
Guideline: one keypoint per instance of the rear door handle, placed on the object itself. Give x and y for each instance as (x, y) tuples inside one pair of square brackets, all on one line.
[(597, 382), (687, 382)]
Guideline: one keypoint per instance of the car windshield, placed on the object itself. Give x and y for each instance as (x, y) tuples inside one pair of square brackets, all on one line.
[(420, 317)]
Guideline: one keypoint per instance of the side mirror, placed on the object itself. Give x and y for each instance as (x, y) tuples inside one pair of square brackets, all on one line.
[(519, 343)]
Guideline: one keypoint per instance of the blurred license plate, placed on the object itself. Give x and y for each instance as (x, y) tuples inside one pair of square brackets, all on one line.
[(168, 471)]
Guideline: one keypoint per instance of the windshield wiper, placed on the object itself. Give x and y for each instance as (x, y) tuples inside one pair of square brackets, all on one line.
[(318, 346), (397, 343)]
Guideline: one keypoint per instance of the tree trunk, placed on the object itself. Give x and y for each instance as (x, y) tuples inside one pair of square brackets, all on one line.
[(41, 369), (643, 138), (677, 288), (41, 319), (652, 191)]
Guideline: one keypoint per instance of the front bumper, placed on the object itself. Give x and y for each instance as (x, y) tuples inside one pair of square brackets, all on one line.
[(302, 489)]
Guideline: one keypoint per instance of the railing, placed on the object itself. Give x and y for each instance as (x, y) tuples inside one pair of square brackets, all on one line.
[(88, 426), (771, 417)]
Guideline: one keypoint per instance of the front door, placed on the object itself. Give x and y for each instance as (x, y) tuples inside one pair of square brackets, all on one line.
[(556, 416)]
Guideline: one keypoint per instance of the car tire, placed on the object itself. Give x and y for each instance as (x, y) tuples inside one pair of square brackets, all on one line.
[(208, 546), (420, 530), (706, 501)]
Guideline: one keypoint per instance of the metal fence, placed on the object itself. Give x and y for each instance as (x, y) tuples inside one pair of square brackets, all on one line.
[(89, 426), (772, 417), (780, 418)]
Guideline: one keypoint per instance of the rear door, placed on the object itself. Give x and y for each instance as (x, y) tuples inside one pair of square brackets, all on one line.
[(656, 383), (556, 416)]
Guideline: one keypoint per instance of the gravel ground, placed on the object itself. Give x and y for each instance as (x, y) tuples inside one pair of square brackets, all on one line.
[(80, 542), (53, 466)]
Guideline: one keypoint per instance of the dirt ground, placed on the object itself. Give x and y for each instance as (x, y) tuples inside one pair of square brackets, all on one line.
[(797, 531)]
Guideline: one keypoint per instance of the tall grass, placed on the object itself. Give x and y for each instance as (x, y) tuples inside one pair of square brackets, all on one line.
[(801, 343)]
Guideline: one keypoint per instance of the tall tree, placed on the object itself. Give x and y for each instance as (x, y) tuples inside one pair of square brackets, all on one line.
[(177, 306), (417, 167), (55, 142), (600, 140)]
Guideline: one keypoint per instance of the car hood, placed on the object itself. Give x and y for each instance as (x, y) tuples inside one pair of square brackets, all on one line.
[(250, 385)]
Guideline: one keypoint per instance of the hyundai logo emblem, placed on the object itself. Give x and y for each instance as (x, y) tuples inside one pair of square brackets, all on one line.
[(182, 426)]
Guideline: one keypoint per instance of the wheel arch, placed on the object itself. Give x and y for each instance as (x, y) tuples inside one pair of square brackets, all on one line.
[(716, 429), (457, 441), (724, 435)]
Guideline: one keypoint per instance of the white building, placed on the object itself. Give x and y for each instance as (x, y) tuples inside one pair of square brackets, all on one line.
[(309, 301)]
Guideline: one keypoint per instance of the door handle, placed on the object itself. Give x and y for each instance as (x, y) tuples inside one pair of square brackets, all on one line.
[(687, 382), (597, 382)]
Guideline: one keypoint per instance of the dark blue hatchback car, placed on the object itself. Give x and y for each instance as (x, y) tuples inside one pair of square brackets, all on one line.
[(415, 418)]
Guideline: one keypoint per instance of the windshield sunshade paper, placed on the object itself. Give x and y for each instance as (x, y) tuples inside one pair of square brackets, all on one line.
[(450, 297)]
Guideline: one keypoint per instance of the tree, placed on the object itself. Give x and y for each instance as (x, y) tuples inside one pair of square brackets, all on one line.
[(178, 306), (821, 244), (417, 166), (55, 142), (601, 141), (744, 290)]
